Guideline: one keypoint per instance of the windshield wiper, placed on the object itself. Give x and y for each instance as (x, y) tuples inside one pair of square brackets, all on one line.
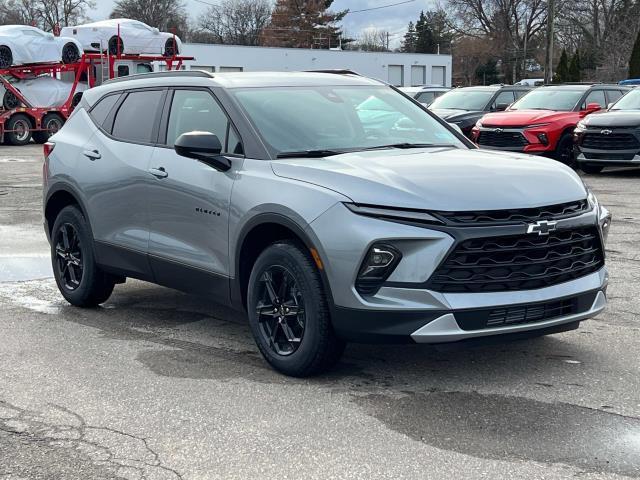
[(407, 146), (310, 153)]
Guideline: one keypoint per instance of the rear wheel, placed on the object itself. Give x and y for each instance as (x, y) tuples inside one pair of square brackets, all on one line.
[(591, 169), (171, 48), (116, 46), (10, 101), (70, 53), (51, 123), (6, 56), (18, 130), (564, 150), (288, 312), (79, 279)]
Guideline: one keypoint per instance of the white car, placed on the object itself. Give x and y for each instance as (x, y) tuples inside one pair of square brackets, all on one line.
[(135, 38), (23, 45), (44, 91)]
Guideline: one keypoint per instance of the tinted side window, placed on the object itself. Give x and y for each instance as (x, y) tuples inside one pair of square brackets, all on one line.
[(504, 97), (425, 97), (136, 116), (613, 96), (597, 96), (520, 93), (101, 110), (197, 110)]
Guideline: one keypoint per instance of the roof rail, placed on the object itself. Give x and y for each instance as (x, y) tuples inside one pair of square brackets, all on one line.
[(168, 73), (335, 71)]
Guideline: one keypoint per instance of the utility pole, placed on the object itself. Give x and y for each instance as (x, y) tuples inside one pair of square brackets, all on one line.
[(551, 17)]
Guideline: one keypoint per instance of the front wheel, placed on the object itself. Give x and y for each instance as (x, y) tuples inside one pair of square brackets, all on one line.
[(79, 279), (18, 130), (116, 46), (6, 56), (70, 53), (288, 312), (171, 48), (564, 150)]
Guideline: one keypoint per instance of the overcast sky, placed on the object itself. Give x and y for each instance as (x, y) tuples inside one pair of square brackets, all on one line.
[(393, 19)]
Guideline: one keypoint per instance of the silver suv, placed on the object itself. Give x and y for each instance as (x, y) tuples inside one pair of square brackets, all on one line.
[(330, 207)]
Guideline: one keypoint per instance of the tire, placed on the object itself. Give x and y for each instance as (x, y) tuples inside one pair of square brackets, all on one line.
[(6, 56), (10, 101), (75, 101), (70, 53), (21, 126), (79, 279), (52, 122), (564, 150), (591, 169), (113, 46), (315, 347), (170, 48)]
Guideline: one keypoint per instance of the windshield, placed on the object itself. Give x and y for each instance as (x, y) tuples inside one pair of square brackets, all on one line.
[(463, 99), (319, 118), (631, 101), (559, 99)]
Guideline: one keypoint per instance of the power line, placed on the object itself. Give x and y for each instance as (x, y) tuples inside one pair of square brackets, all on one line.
[(380, 7)]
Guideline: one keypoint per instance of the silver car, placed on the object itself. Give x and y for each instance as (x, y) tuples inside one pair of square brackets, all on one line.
[(276, 194)]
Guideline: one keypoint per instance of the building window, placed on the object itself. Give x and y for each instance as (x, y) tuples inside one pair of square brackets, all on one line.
[(206, 68), (231, 69), (396, 75)]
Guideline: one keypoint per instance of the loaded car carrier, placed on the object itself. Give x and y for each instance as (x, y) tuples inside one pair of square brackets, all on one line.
[(24, 121)]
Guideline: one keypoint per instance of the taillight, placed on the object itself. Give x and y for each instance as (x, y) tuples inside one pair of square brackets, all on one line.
[(48, 148)]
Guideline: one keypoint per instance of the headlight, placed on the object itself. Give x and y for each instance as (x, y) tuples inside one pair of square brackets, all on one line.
[(604, 216), (380, 261), (385, 213), (536, 125), (580, 127), (479, 124)]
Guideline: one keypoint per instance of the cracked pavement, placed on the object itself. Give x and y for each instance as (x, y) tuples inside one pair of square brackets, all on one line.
[(157, 384)]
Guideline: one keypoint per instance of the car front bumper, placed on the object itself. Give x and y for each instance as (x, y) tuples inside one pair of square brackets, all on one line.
[(608, 158)]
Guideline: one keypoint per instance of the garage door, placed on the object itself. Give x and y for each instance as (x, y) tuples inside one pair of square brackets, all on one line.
[(418, 75), (437, 75), (396, 75)]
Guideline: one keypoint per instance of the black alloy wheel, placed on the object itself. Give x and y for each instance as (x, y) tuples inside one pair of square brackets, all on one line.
[(280, 310), (170, 48), (116, 46), (70, 53), (6, 57), (69, 257), (10, 101), (564, 150)]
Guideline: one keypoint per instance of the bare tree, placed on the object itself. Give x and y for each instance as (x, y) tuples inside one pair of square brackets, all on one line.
[(236, 22), (373, 40), (45, 14)]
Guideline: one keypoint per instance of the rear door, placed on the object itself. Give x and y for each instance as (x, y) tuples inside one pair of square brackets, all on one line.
[(119, 182), (189, 201)]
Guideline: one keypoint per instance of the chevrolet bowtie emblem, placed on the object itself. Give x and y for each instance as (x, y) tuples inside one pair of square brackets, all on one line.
[(543, 227), (606, 132)]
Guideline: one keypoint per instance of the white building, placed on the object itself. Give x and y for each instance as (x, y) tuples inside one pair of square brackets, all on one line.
[(400, 69)]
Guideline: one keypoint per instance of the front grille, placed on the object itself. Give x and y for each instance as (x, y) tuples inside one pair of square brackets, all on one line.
[(525, 313), (519, 262), (609, 156), (490, 138), (613, 141), (515, 215)]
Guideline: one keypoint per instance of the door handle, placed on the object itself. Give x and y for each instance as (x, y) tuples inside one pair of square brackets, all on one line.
[(92, 154), (159, 172)]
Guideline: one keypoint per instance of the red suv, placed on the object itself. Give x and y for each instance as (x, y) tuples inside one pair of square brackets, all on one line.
[(542, 121)]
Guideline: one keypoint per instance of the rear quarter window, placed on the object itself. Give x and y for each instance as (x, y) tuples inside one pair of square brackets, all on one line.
[(100, 111)]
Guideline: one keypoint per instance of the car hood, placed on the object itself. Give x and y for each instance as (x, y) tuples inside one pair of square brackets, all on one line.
[(521, 118), (446, 179), (454, 115), (628, 118)]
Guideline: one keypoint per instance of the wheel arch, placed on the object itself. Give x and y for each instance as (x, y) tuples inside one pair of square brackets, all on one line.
[(259, 232), (59, 197)]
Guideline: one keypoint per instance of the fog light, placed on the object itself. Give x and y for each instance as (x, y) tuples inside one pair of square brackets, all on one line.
[(543, 138), (380, 261)]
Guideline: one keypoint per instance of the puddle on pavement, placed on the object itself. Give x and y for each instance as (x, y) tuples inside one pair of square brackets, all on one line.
[(20, 269), (502, 427)]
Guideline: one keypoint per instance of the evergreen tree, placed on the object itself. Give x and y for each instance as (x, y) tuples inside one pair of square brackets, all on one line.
[(562, 70), (409, 41), (634, 61), (575, 74), (488, 73), (303, 24), (433, 33)]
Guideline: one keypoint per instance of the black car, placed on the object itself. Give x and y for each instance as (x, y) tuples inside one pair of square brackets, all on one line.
[(465, 106), (610, 137)]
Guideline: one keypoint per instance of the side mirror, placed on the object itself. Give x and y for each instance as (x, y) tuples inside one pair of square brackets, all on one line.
[(593, 107), (155, 30), (501, 107), (204, 147), (457, 128)]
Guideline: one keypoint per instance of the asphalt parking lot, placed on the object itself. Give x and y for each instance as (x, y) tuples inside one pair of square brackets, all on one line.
[(160, 385)]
